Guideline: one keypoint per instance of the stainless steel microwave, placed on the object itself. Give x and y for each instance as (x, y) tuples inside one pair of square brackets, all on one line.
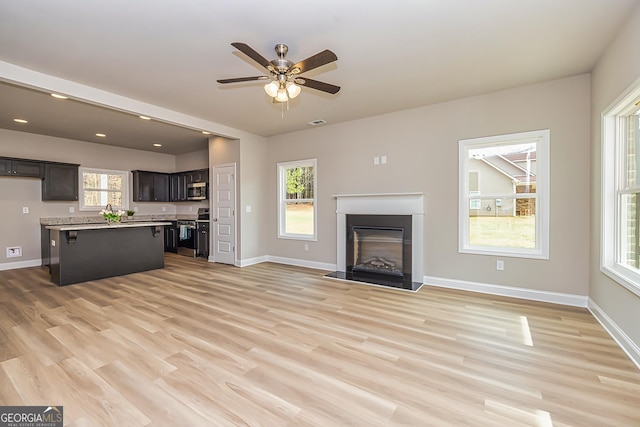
[(197, 191)]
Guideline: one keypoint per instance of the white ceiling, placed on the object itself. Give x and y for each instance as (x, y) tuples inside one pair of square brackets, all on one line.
[(392, 55)]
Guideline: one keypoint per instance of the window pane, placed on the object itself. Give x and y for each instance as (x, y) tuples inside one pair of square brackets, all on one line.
[(94, 198), (503, 223), (299, 218), (629, 232), (506, 169), (299, 183), (91, 180), (633, 150), (114, 182)]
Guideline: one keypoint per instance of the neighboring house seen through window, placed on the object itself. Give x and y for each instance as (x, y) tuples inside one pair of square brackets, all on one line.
[(99, 188), (620, 253), (297, 200), (504, 195)]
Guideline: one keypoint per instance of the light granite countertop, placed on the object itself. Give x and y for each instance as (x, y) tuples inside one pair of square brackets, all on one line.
[(78, 220), (103, 225)]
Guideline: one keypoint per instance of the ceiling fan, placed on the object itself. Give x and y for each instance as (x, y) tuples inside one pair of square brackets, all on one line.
[(285, 75)]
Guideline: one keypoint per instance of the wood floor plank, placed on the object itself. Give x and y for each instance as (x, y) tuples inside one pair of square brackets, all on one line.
[(204, 344)]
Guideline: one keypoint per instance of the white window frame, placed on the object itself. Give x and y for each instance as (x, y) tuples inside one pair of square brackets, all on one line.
[(542, 140), (282, 191), (613, 184), (125, 188)]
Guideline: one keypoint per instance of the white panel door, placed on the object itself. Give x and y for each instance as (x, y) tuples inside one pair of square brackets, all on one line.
[(223, 221)]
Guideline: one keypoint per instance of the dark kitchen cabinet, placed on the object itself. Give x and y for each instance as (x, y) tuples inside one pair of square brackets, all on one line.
[(60, 182), (201, 175), (202, 246), (178, 187), (150, 186), (21, 167), (171, 237)]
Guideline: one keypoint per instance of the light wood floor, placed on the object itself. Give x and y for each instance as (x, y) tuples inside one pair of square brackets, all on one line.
[(200, 344)]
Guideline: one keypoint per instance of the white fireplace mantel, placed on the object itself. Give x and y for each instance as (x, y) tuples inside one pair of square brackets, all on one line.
[(383, 204)]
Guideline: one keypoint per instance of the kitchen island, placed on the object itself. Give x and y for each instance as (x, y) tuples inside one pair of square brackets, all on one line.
[(83, 252)]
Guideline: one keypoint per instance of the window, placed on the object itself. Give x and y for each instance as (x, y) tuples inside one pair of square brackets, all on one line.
[(297, 200), (101, 187), (504, 195), (620, 254)]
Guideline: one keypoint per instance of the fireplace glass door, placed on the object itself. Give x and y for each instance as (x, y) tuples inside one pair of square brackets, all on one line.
[(378, 250)]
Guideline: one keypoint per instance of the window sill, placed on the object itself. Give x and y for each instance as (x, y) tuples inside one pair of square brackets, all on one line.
[(622, 279), (503, 253)]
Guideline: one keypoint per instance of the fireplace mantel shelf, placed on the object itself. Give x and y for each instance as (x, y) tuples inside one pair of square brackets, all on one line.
[(338, 196)]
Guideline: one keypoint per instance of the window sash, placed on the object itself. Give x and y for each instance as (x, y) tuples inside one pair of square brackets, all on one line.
[(615, 187), (123, 191), (285, 202), (540, 197)]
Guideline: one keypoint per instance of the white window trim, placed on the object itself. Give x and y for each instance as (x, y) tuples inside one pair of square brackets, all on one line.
[(125, 188), (282, 167), (541, 251), (612, 160)]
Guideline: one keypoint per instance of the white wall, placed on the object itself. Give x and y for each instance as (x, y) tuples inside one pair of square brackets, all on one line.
[(422, 150), (612, 76)]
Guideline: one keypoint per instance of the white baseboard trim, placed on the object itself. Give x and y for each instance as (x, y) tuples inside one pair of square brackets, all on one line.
[(508, 291), (20, 264), (252, 261), (623, 340), (302, 263)]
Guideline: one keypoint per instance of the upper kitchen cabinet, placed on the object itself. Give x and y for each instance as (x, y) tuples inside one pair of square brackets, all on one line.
[(60, 182), (21, 167), (201, 175), (179, 187), (150, 186)]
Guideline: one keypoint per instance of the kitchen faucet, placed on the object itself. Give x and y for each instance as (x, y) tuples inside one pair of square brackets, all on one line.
[(108, 207)]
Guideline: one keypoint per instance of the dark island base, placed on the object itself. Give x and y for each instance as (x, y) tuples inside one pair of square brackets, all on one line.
[(375, 279), (84, 255)]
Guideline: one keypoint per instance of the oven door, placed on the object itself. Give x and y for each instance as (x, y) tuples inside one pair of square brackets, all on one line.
[(187, 238)]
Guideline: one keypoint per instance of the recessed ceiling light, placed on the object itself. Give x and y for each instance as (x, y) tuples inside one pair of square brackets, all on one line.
[(58, 96), (101, 135), (145, 117), (157, 145), (20, 121), (204, 132)]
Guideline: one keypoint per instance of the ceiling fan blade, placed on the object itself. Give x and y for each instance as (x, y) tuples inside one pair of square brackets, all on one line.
[(315, 61), (242, 79), (244, 48), (317, 85)]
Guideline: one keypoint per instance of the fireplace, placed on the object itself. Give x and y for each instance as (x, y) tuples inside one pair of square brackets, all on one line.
[(380, 240)]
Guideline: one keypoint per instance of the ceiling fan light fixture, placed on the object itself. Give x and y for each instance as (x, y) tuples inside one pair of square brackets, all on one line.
[(282, 96), (293, 90), (271, 89)]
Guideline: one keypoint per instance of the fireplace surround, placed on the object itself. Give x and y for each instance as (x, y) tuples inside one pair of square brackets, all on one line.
[(380, 239)]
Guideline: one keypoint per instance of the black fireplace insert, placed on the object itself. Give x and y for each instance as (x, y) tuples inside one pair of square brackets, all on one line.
[(379, 250)]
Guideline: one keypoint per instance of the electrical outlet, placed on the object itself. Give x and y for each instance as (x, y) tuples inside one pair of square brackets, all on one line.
[(306, 246), (376, 160), (383, 160), (25, 209), (72, 209), (164, 209), (14, 252), (500, 265)]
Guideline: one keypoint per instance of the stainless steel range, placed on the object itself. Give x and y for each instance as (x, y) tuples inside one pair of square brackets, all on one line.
[(189, 235)]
